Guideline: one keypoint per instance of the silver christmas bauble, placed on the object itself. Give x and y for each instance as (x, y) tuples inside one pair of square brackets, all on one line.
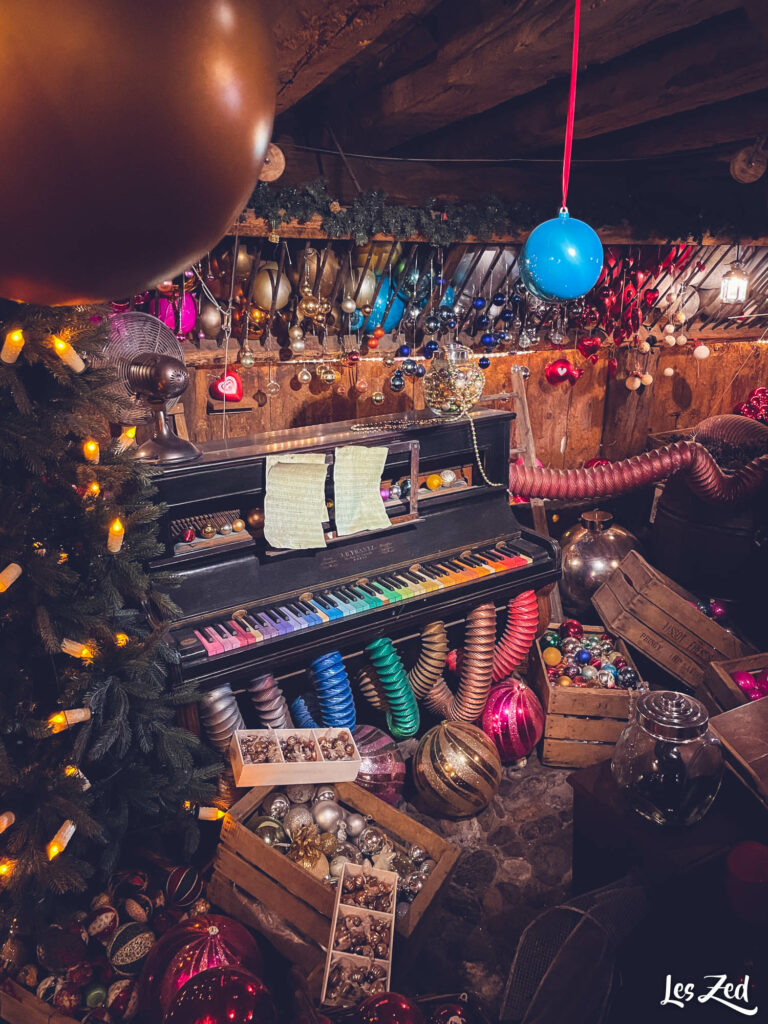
[(301, 793), (417, 853), (415, 883), (591, 551), (337, 864), (371, 839), (247, 359), (427, 866), (298, 345), (341, 833), (276, 805), (355, 823), (304, 376), (350, 852), (589, 672), (295, 334), (325, 791), (328, 815), (606, 678), (297, 817), (348, 305)]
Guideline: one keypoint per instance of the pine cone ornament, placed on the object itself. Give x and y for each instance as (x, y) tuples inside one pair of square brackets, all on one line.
[(306, 848)]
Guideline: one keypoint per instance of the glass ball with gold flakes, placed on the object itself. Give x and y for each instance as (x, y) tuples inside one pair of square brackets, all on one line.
[(456, 769)]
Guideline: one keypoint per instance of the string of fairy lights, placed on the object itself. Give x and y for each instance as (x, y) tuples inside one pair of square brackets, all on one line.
[(86, 651)]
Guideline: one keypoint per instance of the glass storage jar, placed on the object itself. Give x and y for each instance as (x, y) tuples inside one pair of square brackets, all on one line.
[(454, 382), (667, 761)]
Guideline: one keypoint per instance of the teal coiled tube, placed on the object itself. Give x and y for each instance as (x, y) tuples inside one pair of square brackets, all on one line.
[(402, 709)]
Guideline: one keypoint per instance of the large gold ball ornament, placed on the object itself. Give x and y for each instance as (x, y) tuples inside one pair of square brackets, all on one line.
[(266, 285), (309, 266), (383, 255), (309, 307), (101, 107), (456, 769), (367, 286)]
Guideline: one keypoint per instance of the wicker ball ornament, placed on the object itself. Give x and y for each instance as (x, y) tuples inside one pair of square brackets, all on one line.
[(456, 769), (129, 948), (514, 719)]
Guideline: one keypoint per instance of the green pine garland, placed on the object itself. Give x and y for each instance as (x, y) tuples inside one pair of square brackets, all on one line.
[(734, 215), (140, 764)]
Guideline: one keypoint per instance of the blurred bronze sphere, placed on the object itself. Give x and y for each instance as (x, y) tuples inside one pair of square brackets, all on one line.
[(104, 106), (255, 519)]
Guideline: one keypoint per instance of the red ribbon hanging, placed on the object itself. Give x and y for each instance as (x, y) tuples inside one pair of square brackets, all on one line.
[(571, 103)]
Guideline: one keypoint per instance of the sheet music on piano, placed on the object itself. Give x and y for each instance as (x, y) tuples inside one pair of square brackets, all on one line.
[(294, 502), (358, 504)]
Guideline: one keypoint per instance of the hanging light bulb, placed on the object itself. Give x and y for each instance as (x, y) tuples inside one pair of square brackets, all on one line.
[(734, 286)]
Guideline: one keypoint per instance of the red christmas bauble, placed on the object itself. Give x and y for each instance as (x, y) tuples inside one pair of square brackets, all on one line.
[(514, 719), (389, 1008), (379, 332), (570, 627), (194, 945), (574, 372), (183, 886), (589, 347), (373, 342), (382, 771), (223, 995), (558, 371), (650, 296), (453, 1011)]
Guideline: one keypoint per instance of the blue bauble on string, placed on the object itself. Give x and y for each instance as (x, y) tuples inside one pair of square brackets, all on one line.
[(420, 370), (479, 302), (483, 362), (561, 259), (483, 320), (488, 339), (507, 315), (431, 346), (404, 350), (409, 367)]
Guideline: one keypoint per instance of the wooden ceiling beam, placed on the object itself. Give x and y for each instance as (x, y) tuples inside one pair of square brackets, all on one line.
[(315, 38), (715, 61), (515, 48), (734, 120)]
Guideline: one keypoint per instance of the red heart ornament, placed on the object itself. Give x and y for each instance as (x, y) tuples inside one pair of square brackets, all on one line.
[(651, 295), (588, 347), (229, 387)]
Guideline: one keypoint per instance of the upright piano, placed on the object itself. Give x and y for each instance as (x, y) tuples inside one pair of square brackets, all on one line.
[(246, 608)]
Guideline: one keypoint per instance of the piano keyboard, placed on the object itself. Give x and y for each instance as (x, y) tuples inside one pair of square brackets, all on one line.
[(248, 627)]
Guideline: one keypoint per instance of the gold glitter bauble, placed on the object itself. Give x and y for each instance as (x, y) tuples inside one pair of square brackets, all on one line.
[(456, 769), (377, 398), (329, 844)]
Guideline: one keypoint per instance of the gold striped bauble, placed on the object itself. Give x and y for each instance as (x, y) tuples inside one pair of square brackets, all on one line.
[(456, 769)]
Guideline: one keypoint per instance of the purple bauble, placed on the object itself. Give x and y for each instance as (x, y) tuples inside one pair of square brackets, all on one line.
[(385, 493), (514, 719), (382, 771), (164, 310)]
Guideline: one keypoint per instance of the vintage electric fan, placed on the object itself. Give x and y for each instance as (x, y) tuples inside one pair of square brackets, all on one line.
[(151, 376)]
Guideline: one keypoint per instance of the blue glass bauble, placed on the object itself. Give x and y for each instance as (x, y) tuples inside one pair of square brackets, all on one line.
[(507, 315), (431, 346), (440, 281), (452, 324), (377, 318), (561, 259), (404, 350), (429, 355), (420, 371), (499, 300), (488, 339), (409, 367), (483, 362), (583, 657), (479, 302), (483, 320), (397, 382), (501, 335)]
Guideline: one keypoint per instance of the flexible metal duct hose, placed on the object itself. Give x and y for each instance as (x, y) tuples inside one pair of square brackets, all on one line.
[(431, 661), (732, 430), (476, 670), (703, 474), (520, 632), (270, 703)]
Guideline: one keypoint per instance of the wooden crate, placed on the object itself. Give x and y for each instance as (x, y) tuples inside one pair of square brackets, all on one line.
[(723, 691), (583, 723), (20, 1006), (244, 860), (658, 617)]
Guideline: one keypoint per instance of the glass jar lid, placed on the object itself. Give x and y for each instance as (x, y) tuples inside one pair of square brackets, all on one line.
[(668, 715)]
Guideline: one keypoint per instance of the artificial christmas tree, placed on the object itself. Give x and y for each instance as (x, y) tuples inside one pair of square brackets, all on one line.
[(89, 748)]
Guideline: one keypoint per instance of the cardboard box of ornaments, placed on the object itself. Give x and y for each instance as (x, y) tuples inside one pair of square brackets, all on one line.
[(582, 723), (245, 862)]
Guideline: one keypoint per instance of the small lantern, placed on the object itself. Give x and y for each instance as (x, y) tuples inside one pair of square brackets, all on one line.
[(734, 286)]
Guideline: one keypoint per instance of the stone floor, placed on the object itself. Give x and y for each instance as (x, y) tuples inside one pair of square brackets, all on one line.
[(516, 861)]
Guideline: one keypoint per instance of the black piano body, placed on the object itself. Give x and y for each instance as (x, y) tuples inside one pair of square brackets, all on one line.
[(234, 577)]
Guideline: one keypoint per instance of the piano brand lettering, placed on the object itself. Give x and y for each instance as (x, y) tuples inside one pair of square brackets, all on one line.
[(733, 995)]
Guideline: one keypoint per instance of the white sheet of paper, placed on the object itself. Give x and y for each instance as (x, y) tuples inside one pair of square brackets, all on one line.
[(358, 504), (294, 503)]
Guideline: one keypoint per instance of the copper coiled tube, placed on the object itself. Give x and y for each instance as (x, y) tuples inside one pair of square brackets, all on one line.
[(431, 661), (270, 703), (467, 703), (519, 634), (705, 478), (370, 687)]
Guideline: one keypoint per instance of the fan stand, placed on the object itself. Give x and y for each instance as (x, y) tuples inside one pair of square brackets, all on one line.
[(164, 446)]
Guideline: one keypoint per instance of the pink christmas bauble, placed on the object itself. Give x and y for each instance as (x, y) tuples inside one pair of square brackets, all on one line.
[(514, 719), (222, 995), (164, 310), (745, 681), (382, 771), (193, 945)]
